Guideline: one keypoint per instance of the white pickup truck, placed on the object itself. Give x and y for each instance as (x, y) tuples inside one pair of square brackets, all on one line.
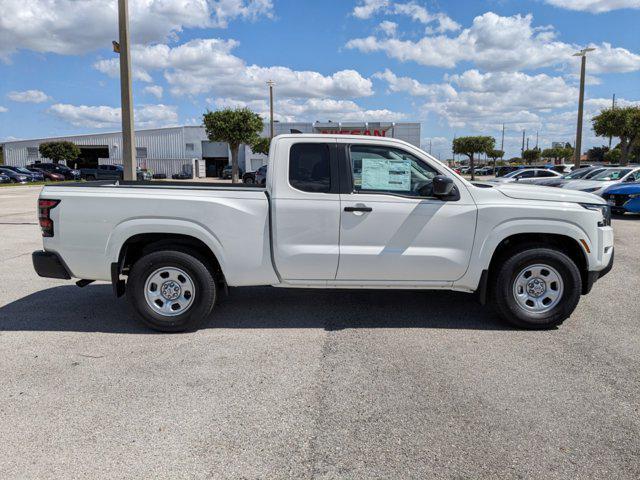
[(336, 212)]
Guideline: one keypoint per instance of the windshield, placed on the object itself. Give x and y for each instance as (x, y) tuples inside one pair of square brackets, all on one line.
[(611, 174), (581, 172), (513, 174), (22, 170)]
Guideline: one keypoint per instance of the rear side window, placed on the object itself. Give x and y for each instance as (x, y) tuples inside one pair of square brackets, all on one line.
[(310, 167)]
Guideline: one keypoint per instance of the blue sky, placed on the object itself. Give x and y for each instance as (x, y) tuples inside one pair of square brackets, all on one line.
[(458, 67)]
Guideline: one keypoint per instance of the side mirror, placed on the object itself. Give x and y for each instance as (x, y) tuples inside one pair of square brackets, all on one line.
[(442, 186)]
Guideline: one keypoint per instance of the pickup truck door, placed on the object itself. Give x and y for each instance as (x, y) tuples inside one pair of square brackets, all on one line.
[(305, 209), (392, 229)]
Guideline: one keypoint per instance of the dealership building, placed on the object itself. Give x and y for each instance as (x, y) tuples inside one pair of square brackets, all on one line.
[(187, 149)]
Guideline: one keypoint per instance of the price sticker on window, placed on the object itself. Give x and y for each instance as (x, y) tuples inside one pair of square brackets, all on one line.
[(385, 174)]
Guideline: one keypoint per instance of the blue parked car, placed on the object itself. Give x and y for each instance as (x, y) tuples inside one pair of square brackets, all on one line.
[(623, 197)]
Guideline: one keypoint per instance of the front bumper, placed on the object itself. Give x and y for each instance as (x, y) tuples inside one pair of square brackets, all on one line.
[(594, 276), (49, 265)]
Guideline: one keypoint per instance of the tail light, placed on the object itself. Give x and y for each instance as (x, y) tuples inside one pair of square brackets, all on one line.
[(44, 216)]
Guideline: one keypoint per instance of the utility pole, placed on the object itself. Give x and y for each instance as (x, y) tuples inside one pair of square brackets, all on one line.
[(583, 54), (613, 105), (522, 149), (502, 143), (271, 83), (126, 97), (527, 143), (429, 146), (537, 138)]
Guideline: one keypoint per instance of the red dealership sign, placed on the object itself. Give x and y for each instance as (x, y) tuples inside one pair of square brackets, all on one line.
[(373, 133)]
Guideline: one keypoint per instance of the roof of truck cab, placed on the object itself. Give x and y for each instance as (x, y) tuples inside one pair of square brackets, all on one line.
[(341, 136)]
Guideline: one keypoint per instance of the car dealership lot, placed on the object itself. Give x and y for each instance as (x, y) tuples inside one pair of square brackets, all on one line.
[(305, 384)]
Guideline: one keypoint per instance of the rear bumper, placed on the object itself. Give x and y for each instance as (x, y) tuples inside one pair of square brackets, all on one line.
[(49, 265)]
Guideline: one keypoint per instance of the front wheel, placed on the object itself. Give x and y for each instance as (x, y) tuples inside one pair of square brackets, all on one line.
[(172, 291), (536, 288)]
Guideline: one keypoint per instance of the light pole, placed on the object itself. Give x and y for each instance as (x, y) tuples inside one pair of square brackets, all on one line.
[(271, 83), (126, 97), (582, 53)]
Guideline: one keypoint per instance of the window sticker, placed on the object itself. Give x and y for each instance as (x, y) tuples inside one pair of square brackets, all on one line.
[(385, 174)]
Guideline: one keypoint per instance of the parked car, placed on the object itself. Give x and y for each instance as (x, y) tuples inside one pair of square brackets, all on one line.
[(112, 172), (502, 171), (68, 173), (406, 221), (182, 176), (4, 178), (604, 179), (52, 176), (33, 176), (526, 175), (582, 173), (261, 176), (623, 197), (227, 172), (16, 177)]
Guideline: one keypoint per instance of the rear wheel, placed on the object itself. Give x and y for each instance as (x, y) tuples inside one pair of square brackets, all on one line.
[(249, 180), (172, 291), (536, 288)]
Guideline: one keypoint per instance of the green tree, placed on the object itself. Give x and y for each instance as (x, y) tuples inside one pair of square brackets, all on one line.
[(623, 123), (494, 155), (551, 153), (531, 155), (613, 155), (59, 151), (596, 154), (470, 146), (261, 145), (235, 127)]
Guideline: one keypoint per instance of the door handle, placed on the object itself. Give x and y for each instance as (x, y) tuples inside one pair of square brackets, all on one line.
[(358, 209)]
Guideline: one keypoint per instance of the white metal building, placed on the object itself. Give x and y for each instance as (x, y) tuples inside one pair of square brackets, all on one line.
[(178, 149)]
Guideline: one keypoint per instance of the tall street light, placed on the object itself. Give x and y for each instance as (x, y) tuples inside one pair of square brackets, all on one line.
[(271, 83), (126, 97), (582, 53)]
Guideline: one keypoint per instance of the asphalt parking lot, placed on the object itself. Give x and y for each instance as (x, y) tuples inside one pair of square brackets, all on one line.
[(313, 384)]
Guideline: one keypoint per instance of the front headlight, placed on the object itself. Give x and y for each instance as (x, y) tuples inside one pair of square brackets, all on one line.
[(605, 210), (634, 195)]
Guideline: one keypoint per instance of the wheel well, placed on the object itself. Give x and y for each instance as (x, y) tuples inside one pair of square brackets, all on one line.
[(142, 244), (522, 241)]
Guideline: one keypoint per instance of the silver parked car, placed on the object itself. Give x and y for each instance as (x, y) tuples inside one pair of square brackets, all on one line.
[(603, 180), (527, 175)]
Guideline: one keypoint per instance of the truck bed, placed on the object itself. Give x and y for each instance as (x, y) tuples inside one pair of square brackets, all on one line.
[(94, 220), (164, 184)]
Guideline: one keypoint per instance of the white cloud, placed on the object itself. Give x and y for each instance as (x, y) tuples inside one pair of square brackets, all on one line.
[(71, 27), (594, 6), (368, 8), (28, 96), (321, 109), (208, 66), (155, 90), (3, 109), (496, 43), (474, 99), (388, 28), (109, 117)]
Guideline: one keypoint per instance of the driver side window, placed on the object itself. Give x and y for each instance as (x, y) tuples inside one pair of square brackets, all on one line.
[(383, 169)]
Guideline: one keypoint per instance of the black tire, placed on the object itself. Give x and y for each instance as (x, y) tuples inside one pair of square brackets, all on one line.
[(505, 275), (204, 285), (249, 180)]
